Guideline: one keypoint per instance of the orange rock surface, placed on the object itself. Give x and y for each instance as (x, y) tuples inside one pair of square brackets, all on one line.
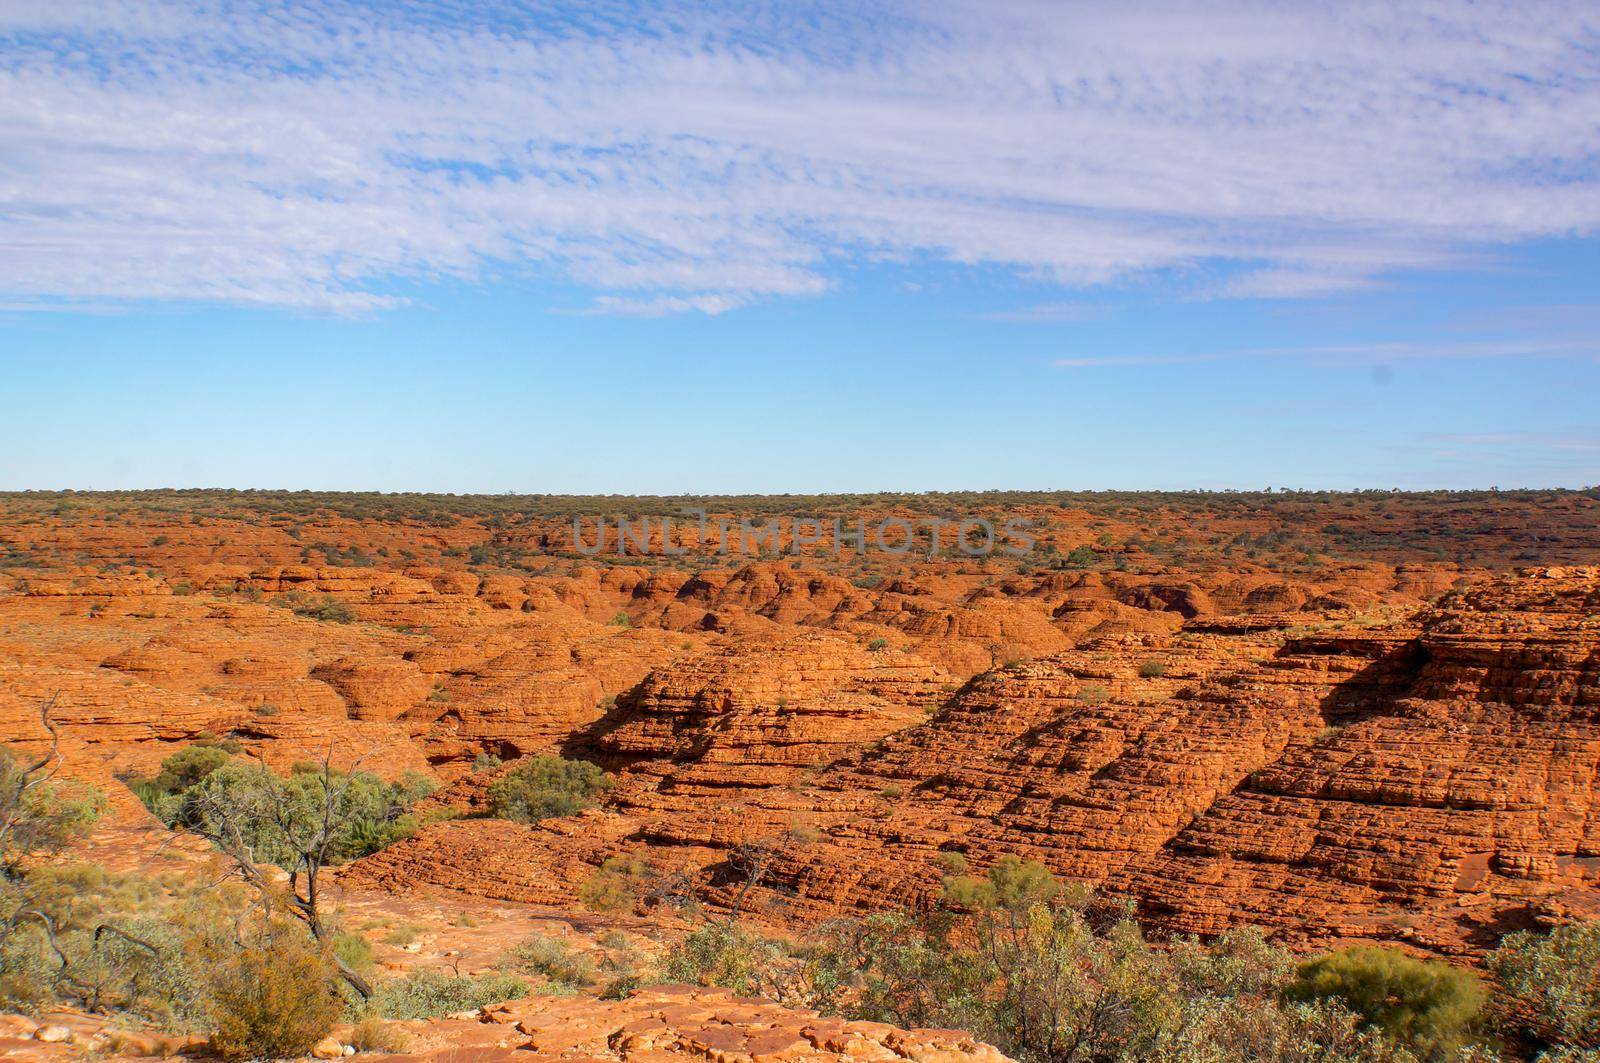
[(1338, 716), (661, 1024)]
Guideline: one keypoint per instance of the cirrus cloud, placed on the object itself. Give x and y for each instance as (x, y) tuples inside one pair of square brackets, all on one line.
[(698, 157)]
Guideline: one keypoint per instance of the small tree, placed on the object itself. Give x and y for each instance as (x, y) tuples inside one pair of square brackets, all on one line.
[(300, 824), (750, 862)]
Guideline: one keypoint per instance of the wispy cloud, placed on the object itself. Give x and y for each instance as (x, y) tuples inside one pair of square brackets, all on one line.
[(1375, 353), (700, 156), (1047, 314), (658, 306), (1533, 457)]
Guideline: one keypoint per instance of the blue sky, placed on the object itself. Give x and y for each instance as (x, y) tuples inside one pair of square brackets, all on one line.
[(806, 247)]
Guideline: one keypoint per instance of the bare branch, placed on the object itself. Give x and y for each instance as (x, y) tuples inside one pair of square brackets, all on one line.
[(106, 928)]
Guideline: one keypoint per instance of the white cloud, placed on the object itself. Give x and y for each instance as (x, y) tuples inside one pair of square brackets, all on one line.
[(1378, 354), (660, 305), (1047, 314), (699, 157)]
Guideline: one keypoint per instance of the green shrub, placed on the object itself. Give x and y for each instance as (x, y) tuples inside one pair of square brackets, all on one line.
[(1012, 884), (877, 644), (367, 836), (125, 942), (1425, 1004), (427, 994), (547, 787), (331, 610), (1152, 669), (403, 935), (726, 956), (354, 950), (1548, 986), (326, 607), (1250, 1029), (1036, 969), (608, 893), (551, 959), (163, 793), (1082, 557), (272, 1000), (268, 808), (28, 971), (189, 765), (1094, 694)]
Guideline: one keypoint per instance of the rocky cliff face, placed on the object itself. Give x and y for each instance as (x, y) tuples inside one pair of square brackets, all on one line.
[(1431, 781), (1459, 804)]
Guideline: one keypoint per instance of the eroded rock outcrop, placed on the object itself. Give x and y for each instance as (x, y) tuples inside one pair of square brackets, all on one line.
[(1202, 713), (1462, 805)]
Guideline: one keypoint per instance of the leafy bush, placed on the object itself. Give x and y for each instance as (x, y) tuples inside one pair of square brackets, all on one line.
[(551, 959), (163, 793), (614, 888), (546, 787), (1082, 557), (272, 1001), (726, 956), (428, 994), (28, 975), (1427, 1005), (1548, 986), (325, 607), (1042, 972), (404, 934), (1152, 669), (1013, 884), (188, 766), (804, 834), (1251, 1030), (608, 893)]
